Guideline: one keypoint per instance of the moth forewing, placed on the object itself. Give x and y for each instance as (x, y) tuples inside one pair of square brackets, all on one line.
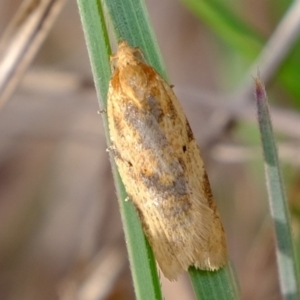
[(161, 167)]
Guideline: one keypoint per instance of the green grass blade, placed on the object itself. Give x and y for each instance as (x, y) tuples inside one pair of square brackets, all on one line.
[(142, 262), (286, 258), (221, 284), (134, 27), (130, 21)]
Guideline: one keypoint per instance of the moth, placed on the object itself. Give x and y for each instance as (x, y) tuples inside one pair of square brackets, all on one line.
[(161, 167)]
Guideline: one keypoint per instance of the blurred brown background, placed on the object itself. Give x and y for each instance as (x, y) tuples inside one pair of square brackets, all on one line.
[(60, 230)]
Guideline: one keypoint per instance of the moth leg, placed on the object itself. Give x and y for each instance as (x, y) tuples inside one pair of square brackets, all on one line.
[(102, 111), (112, 149)]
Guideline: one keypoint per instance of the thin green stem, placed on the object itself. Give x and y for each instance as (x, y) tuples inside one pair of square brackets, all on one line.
[(286, 257)]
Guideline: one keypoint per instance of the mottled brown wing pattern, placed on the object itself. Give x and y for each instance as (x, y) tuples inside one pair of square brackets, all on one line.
[(161, 167)]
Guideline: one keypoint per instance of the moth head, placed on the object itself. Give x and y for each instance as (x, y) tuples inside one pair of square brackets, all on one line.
[(125, 55)]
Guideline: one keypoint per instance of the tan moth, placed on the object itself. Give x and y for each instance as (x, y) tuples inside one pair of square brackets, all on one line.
[(161, 167)]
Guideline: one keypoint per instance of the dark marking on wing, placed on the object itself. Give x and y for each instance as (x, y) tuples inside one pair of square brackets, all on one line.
[(155, 108), (190, 134), (151, 135), (175, 188), (207, 191)]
